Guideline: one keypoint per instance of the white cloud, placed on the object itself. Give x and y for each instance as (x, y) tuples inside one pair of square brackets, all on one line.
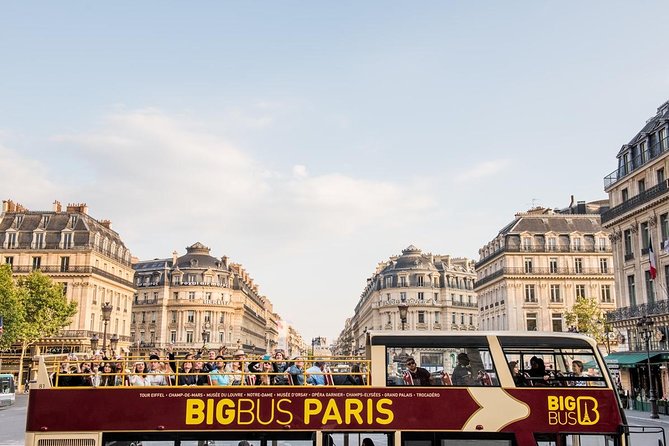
[(482, 170), (299, 171)]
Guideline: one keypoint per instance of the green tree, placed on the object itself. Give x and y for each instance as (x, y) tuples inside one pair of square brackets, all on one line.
[(586, 316), (38, 309), (9, 308)]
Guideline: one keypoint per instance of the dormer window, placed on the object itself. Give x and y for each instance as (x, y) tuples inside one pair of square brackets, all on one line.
[(193, 263), (10, 240), (527, 243), (45, 220), (576, 243), (38, 240), (66, 240), (19, 220), (73, 221)]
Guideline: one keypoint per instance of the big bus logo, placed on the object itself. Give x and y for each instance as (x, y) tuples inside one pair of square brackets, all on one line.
[(570, 411)]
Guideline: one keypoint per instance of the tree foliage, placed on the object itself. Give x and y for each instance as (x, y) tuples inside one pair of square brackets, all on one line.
[(587, 318), (32, 307)]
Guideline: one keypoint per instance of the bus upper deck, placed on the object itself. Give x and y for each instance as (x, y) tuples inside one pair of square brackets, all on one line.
[(413, 389)]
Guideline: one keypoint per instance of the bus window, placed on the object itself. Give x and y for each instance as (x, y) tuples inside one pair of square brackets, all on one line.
[(455, 439), (562, 367), (356, 439), (441, 365), (575, 440)]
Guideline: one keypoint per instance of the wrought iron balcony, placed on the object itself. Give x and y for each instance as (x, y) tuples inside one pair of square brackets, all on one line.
[(637, 162), (536, 271), (544, 248), (661, 307), (644, 197)]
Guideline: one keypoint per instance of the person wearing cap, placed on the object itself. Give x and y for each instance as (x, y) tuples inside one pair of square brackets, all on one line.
[(218, 376), (263, 369), (462, 373)]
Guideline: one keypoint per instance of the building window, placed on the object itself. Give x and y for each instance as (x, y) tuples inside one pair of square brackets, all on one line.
[(38, 240), (664, 226), (221, 337), (221, 319), (650, 288), (174, 317), (662, 138), (437, 316), (603, 266), (153, 317), (421, 296), (531, 321), (9, 260), (403, 281), (624, 195), (529, 294), (207, 316), (175, 295), (462, 318), (453, 318), (606, 293), (173, 336), (403, 296), (660, 175), (11, 240), (643, 228), (155, 296), (64, 288), (191, 316), (553, 265), (631, 290), (421, 317), (527, 243), (189, 336), (627, 236), (528, 266), (580, 291), (67, 240), (143, 317), (578, 265), (601, 243), (191, 295), (389, 282), (207, 297), (556, 319), (555, 293), (419, 280), (37, 262), (552, 244), (576, 244), (641, 184), (64, 264)]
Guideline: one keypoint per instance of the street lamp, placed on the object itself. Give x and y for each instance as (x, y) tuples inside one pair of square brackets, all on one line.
[(106, 315), (113, 342), (204, 338), (404, 308), (645, 328), (94, 342)]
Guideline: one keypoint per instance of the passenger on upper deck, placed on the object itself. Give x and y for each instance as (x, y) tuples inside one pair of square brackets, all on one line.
[(158, 374), (519, 379), (280, 366), (315, 374), (537, 372), (139, 377), (416, 376), (107, 376), (66, 376), (263, 370), (218, 377), (186, 377), (296, 371), (577, 372), (462, 373)]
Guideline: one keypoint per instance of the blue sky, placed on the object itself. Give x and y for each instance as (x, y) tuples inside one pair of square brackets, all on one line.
[(311, 140)]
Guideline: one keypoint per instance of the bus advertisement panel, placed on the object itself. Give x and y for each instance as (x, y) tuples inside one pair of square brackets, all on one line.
[(319, 408)]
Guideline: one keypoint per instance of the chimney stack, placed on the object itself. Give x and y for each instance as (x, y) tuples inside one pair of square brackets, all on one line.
[(106, 223), (57, 207), (174, 258), (82, 208)]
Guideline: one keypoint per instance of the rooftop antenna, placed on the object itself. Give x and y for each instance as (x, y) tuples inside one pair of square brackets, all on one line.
[(535, 203)]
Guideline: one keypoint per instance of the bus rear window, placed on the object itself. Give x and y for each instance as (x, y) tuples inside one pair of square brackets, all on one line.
[(557, 366)]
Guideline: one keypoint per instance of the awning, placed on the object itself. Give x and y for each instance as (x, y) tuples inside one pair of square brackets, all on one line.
[(627, 359)]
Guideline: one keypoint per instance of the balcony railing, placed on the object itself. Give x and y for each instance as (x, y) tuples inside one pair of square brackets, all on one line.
[(622, 171), (545, 248), (457, 303), (661, 307), (87, 334), (644, 197), (536, 271), (409, 302), (51, 269)]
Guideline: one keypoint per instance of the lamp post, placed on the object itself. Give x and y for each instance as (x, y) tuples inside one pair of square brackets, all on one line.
[(94, 342), (404, 308), (645, 328), (106, 315), (113, 342), (204, 338)]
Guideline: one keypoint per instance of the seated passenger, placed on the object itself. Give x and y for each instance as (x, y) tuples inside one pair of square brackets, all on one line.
[(416, 376), (186, 377), (462, 373), (537, 372), (139, 376), (296, 372), (158, 375), (218, 377), (519, 379)]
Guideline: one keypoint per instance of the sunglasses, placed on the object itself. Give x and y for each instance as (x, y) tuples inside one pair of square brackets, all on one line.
[(411, 363)]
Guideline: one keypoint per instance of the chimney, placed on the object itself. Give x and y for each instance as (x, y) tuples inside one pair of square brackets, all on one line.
[(174, 258), (6, 204), (57, 207), (81, 208), (106, 223), (224, 261), (580, 207)]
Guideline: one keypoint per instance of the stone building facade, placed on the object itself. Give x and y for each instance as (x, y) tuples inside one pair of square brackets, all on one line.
[(531, 273), (437, 289), (196, 299), (639, 196), (85, 255)]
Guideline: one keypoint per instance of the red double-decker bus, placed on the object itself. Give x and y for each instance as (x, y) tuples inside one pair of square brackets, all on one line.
[(421, 389)]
